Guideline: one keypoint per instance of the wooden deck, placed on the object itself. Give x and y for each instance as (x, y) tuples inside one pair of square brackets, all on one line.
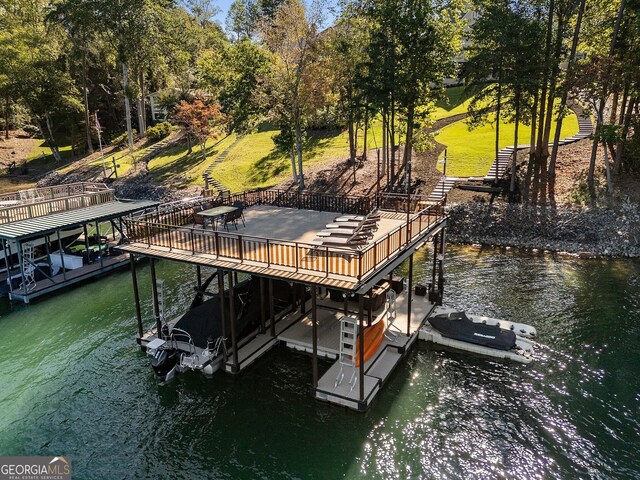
[(275, 243)]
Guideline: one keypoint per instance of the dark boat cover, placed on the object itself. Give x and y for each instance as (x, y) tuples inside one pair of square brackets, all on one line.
[(203, 321), (459, 327)]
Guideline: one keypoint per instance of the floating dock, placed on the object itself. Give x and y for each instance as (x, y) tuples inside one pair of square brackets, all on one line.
[(46, 238), (343, 284)]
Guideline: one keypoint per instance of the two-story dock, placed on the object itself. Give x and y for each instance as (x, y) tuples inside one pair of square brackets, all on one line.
[(56, 236), (346, 287)]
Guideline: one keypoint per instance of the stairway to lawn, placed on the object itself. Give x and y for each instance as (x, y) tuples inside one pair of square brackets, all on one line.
[(209, 180)]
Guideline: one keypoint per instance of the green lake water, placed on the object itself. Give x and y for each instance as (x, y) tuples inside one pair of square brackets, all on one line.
[(73, 382)]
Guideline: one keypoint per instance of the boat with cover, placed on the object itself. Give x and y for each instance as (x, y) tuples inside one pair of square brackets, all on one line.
[(481, 335), (194, 340)]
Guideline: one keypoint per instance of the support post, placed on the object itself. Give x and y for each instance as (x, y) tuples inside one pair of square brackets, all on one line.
[(99, 245), (441, 268), (61, 250), (262, 306), (410, 295), (232, 314), (86, 241), (136, 293), (433, 269), (223, 328), (272, 313), (6, 263), (154, 290), (314, 328), (361, 345)]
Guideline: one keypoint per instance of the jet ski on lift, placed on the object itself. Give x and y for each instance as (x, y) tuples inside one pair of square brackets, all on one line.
[(481, 335)]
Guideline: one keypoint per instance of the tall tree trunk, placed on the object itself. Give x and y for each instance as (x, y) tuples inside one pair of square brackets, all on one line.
[(127, 105), (604, 93), (565, 97), (623, 136), (625, 100), (143, 103), (392, 141), (52, 140), (497, 143), (408, 147), (364, 139), (87, 115), (7, 115), (299, 150), (526, 191), (614, 108), (352, 143), (384, 170), (294, 169), (514, 157)]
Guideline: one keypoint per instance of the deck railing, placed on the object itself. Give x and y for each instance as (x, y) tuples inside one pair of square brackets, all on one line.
[(39, 208), (34, 195), (172, 231)]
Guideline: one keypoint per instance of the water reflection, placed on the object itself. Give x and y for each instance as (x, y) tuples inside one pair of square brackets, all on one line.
[(74, 383)]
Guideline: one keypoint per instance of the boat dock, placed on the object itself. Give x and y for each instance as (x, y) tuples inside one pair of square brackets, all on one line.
[(347, 289), (56, 236)]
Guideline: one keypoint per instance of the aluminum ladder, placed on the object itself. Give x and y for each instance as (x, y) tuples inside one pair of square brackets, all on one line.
[(347, 358)]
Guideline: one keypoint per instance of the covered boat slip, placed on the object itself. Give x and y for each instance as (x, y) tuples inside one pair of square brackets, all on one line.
[(341, 282), (39, 255), (37, 202)]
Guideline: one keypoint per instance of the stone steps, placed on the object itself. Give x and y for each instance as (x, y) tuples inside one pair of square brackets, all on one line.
[(210, 181)]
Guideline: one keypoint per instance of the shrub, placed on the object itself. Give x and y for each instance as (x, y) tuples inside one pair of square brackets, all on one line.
[(159, 131), (122, 139)]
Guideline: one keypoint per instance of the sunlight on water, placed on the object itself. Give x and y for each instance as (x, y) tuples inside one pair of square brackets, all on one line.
[(74, 383)]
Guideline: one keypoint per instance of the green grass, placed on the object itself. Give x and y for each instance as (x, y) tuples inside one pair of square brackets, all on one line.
[(254, 162), (471, 153), (190, 167), (40, 150), (456, 101)]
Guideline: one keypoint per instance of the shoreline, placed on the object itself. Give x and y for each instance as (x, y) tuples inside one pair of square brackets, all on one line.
[(583, 232)]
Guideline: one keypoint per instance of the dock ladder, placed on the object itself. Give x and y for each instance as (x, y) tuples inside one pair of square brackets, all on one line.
[(28, 267), (391, 316), (348, 336)]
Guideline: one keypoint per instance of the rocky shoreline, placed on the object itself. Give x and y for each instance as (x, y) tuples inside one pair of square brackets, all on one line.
[(587, 232)]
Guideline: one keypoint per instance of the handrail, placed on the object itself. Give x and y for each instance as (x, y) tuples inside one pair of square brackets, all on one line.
[(25, 211), (53, 192), (170, 231)]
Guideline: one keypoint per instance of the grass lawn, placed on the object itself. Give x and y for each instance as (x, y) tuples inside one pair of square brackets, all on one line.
[(455, 102), (41, 150), (471, 153), (190, 168), (254, 162)]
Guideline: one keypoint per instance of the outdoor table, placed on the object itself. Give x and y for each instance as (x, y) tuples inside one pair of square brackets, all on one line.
[(212, 213)]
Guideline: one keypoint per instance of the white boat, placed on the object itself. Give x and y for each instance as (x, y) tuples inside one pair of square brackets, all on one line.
[(194, 340), (481, 335)]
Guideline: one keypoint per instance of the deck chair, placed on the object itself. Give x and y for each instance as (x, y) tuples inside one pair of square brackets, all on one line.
[(240, 206), (197, 219)]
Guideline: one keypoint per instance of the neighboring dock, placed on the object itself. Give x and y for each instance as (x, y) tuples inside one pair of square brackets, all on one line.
[(56, 236), (348, 288)]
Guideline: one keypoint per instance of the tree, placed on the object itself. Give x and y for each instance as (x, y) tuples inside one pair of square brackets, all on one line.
[(242, 18), (201, 121), (294, 89)]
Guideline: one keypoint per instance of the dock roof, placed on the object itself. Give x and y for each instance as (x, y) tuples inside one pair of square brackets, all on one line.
[(39, 226)]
